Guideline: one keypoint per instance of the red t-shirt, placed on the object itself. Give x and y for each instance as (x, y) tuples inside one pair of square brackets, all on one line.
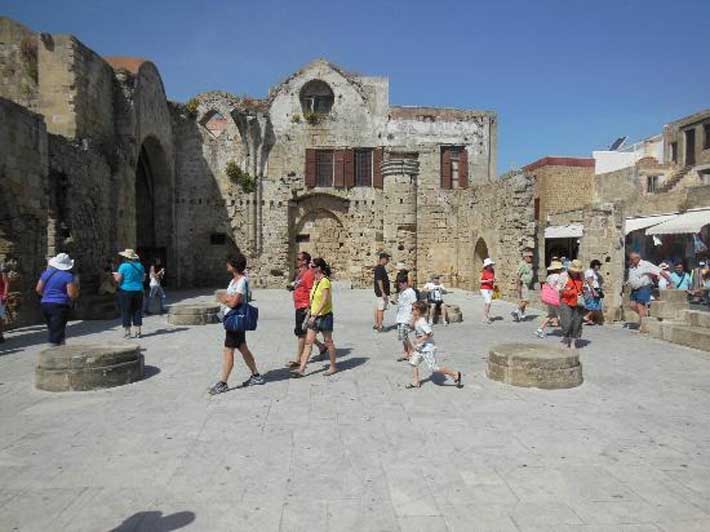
[(487, 277), (572, 289), (302, 292)]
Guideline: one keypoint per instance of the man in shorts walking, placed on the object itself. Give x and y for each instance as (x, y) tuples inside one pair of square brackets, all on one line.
[(301, 287), (382, 290), (640, 280), (524, 277)]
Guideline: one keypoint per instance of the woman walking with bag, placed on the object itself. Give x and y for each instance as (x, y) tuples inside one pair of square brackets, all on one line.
[(321, 318), (237, 293), (130, 277), (58, 288), (572, 305), (550, 295)]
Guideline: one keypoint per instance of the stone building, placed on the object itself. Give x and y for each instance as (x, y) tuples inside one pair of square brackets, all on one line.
[(96, 159)]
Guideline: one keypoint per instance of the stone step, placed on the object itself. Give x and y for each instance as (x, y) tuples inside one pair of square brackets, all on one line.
[(679, 333), (696, 318)]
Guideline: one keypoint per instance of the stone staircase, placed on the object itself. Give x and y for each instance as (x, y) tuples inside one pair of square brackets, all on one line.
[(671, 320), (674, 179)]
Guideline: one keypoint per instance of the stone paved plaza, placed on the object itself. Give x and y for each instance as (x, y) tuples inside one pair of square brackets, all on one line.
[(628, 450)]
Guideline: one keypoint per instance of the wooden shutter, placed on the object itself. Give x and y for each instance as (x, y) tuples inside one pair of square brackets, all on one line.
[(310, 168), (376, 170), (339, 168), (463, 168), (349, 168), (445, 168)]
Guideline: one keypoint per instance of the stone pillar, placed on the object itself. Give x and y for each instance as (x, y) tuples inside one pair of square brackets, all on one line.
[(400, 210)]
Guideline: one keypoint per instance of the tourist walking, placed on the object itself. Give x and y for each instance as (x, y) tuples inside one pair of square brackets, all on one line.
[(238, 292), (435, 297), (301, 287), (320, 318), (524, 278), (155, 289), (550, 295), (4, 291), (130, 277), (593, 294), (640, 280), (425, 350), (572, 304), (407, 297), (58, 287), (382, 291), (664, 283), (488, 282)]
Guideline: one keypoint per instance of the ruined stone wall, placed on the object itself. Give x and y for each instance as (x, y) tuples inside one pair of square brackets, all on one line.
[(562, 187), (23, 210), (18, 64), (80, 194)]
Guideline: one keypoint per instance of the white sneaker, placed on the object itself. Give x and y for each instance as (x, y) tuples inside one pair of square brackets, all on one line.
[(522, 316), (540, 333), (516, 315)]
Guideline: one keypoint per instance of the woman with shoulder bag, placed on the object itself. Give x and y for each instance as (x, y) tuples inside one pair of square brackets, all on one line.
[(237, 293), (320, 318), (58, 287), (572, 305)]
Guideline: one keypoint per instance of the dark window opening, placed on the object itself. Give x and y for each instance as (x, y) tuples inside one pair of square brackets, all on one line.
[(537, 209), (303, 238), (324, 168), (451, 161), (674, 152), (317, 97), (218, 239), (363, 168), (706, 142), (651, 184)]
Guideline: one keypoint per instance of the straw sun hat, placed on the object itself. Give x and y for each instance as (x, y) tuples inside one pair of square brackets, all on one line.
[(576, 266), (129, 254)]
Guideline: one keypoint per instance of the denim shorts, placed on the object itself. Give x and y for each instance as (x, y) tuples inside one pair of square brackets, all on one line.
[(322, 323), (642, 295)]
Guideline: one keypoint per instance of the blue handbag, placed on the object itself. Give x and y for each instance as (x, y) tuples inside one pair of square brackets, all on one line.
[(242, 318)]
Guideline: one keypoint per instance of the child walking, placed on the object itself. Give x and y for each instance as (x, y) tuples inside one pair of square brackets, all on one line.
[(425, 349), (407, 297)]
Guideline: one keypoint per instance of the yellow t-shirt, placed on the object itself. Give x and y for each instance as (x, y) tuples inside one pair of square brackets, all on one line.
[(317, 297)]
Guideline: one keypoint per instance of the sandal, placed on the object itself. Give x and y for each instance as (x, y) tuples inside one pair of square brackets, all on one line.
[(459, 380), (329, 372), (293, 364), (411, 386), (402, 359), (296, 374)]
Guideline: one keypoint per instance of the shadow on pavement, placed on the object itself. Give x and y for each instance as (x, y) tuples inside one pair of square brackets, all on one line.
[(160, 332), (150, 371), (155, 520)]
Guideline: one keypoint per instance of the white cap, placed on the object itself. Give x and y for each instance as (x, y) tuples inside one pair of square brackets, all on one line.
[(488, 262)]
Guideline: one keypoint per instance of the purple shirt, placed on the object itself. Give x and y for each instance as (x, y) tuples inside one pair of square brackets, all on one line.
[(55, 286)]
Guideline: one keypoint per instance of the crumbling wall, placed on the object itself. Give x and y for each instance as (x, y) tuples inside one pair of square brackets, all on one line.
[(23, 209), (18, 64)]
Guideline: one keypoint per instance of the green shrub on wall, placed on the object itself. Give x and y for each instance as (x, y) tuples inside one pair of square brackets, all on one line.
[(239, 176), (192, 105)]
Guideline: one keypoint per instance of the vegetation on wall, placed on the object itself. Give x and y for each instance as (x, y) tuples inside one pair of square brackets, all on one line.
[(312, 117), (240, 177), (192, 105)]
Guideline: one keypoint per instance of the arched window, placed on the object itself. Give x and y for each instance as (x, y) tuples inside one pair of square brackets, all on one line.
[(214, 122), (316, 97)]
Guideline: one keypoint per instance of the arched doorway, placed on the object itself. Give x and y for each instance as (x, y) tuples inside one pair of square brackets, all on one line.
[(321, 234), (153, 204), (480, 253)]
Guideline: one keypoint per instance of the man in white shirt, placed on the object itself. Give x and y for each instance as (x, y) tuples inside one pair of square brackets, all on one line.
[(435, 297), (407, 297), (641, 273)]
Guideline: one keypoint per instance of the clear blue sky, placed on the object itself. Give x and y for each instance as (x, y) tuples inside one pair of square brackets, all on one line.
[(565, 77)]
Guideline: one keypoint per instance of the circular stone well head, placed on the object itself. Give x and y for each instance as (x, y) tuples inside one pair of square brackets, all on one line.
[(535, 366), (193, 314), (87, 367)]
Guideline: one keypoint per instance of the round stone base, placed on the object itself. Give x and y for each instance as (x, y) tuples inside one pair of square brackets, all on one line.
[(535, 365), (193, 314), (87, 367)]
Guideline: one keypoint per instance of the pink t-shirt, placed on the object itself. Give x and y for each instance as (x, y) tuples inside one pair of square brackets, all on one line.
[(302, 292)]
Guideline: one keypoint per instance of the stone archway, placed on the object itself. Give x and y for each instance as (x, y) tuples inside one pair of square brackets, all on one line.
[(153, 204), (322, 234), (480, 253)]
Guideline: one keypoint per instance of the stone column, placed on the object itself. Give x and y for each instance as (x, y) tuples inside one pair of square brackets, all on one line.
[(400, 210)]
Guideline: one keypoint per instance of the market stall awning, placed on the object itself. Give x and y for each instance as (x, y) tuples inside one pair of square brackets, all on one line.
[(636, 224), (686, 223), (564, 231)]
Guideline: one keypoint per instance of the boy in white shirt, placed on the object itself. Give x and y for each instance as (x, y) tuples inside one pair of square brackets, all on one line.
[(425, 349), (407, 297)]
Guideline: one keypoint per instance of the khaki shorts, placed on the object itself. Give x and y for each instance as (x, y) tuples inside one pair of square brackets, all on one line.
[(524, 293), (381, 303)]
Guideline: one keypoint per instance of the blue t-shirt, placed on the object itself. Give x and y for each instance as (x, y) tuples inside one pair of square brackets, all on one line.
[(55, 286), (132, 276), (681, 282)]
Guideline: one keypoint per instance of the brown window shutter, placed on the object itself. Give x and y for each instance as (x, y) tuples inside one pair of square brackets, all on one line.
[(376, 170), (463, 168), (310, 168), (445, 168), (339, 168), (349, 168)]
